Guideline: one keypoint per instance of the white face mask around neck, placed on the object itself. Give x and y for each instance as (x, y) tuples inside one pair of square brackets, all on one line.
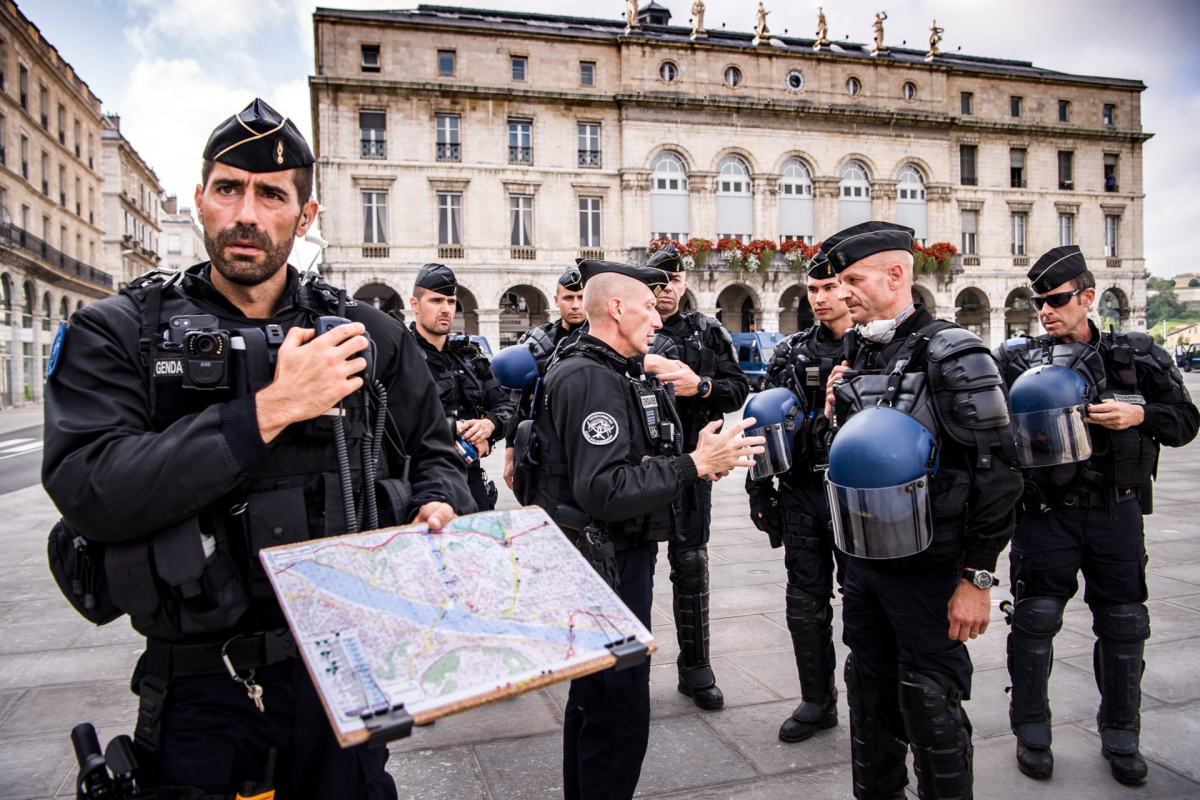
[(881, 331)]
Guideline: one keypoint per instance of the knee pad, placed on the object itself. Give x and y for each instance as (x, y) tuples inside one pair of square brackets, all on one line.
[(878, 743), (1037, 618), (689, 570), (1126, 624), (804, 609), (928, 695), (939, 732)]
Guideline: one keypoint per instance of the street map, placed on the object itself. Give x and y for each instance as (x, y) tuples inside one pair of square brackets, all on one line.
[(494, 604)]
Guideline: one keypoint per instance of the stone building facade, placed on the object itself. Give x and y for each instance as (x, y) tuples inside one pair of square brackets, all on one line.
[(50, 213), (181, 244), (506, 145), (132, 203)]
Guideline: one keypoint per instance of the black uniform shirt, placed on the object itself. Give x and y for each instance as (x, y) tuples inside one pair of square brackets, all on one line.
[(588, 409), (467, 386), (717, 361), (116, 475)]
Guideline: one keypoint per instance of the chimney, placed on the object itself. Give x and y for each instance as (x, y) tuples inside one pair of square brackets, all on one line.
[(170, 204)]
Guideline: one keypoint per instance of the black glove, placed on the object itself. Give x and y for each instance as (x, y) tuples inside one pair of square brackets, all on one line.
[(764, 510)]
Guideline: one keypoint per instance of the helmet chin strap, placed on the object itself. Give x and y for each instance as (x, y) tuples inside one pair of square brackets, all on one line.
[(881, 331)]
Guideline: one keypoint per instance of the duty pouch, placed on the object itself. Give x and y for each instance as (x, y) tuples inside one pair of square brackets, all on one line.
[(523, 462), (77, 565), (273, 518), (393, 496), (949, 491), (207, 589)]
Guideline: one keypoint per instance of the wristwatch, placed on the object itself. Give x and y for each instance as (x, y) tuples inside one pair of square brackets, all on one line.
[(704, 386), (981, 578)]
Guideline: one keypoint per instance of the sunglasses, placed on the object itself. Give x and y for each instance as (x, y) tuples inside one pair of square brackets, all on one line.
[(1056, 300)]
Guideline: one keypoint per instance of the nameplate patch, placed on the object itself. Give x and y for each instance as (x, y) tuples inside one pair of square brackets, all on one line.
[(1136, 399), (168, 367)]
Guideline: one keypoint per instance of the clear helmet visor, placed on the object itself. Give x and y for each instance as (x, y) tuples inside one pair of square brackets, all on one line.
[(890, 522), (1055, 436), (776, 456)]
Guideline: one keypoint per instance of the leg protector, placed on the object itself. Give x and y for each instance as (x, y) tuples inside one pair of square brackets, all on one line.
[(878, 743), (1035, 622), (689, 576), (810, 621), (1121, 632), (940, 734)]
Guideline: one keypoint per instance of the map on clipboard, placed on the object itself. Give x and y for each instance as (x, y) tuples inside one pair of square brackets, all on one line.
[(406, 624)]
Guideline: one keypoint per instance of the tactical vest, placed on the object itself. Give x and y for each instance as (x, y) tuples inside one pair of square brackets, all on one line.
[(944, 377), (541, 342), (802, 364), (693, 351), (463, 388), (1126, 459), (655, 433), (203, 573)]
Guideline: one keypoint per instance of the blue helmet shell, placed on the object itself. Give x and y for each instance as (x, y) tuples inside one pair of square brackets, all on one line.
[(1047, 387), (515, 367), (771, 407), (880, 447)]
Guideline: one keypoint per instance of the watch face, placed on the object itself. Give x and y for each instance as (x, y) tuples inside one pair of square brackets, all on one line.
[(984, 580)]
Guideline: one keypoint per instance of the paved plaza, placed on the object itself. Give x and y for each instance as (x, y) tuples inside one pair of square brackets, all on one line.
[(57, 670)]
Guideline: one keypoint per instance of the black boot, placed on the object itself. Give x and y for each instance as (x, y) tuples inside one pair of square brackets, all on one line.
[(939, 733), (810, 621), (1035, 621), (1117, 660), (689, 576), (878, 742)]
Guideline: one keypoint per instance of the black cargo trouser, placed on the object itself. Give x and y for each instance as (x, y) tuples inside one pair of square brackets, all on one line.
[(214, 738), (606, 724)]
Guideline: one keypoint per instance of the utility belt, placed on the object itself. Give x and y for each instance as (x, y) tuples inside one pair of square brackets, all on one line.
[(1088, 498), (166, 661), (814, 524)]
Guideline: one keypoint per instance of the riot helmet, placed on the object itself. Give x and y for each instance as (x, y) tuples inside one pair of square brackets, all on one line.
[(775, 412), (515, 367), (1049, 405), (880, 465)]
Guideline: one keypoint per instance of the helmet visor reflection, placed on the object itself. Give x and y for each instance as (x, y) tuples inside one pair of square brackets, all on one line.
[(776, 456), (1055, 436), (891, 522)]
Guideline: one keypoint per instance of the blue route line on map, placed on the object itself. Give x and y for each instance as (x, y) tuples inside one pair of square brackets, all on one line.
[(454, 618)]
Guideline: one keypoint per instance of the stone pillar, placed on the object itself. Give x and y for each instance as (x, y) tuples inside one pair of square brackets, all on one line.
[(996, 332), (825, 208), (703, 208), (489, 326), (883, 199), (766, 206), (768, 318)]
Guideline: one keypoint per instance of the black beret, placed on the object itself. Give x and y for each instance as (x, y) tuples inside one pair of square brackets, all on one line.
[(571, 280), (259, 140), (1056, 267), (655, 278), (437, 278), (857, 242), (819, 269), (666, 258)]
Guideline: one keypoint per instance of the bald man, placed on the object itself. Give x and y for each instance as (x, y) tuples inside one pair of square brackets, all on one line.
[(611, 476)]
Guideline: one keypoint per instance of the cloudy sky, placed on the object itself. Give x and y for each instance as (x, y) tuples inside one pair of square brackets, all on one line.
[(174, 68)]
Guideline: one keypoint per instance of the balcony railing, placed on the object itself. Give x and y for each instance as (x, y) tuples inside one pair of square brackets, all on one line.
[(450, 251), (592, 253), (449, 152), (13, 236), (1018, 183), (522, 253), (374, 149), (520, 155), (1112, 263), (375, 251), (1020, 261), (589, 158), (970, 261)]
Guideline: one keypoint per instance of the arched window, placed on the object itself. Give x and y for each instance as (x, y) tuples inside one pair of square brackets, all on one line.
[(795, 201), (64, 309), (854, 205), (669, 214), (735, 199), (910, 201), (27, 305), (5, 300), (46, 306), (668, 72)]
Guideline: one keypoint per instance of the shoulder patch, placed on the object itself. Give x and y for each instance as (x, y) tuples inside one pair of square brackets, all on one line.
[(600, 428), (56, 348)]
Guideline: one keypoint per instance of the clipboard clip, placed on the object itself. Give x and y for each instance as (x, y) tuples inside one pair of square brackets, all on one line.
[(629, 652), (387, 725)]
